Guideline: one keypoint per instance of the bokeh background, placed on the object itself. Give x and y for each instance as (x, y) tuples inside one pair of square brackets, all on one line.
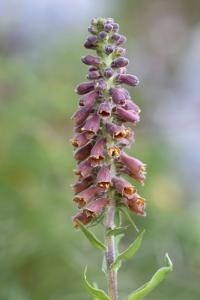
[(41, 256)]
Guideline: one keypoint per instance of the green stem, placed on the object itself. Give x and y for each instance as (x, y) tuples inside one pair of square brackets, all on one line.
[(111, 253)]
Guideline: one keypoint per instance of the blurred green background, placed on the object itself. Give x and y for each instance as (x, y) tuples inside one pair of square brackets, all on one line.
[(41, 256)]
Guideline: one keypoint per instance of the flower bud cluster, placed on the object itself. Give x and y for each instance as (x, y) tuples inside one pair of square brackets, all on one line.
[(101, 128)]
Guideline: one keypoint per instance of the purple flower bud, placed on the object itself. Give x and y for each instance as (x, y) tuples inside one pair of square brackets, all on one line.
[(92, 39), (84, 88), (96, 207), (108, 27), (92, 29), (85, 196), (105, 110), (136, 204), (84, 168), (89, 99), (127, 115), (104, 178), (81, 217), (129, 79), (119, 95), (79, 140), (91, 42), (120, 62), (102, 35), (115, 37), (83, 152), (130, 105), (117, 132), (108, 72), (93, 75), (115, 27), (121, 40), (123, 187), (92, 125), (109, 49), (100, 85), (119, 51), (82, 184), (93, 68), (97, 153), (81, 115), (90, 60)]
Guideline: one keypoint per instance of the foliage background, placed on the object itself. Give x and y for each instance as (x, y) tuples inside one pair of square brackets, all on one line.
[(42, 257)]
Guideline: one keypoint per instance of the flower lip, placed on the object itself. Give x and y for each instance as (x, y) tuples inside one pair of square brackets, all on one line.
[(123, 187), (136, 204), (97, 153), (104, 178), (86, 195), (117, 132), (105, 109), (81, 217), (114, 151), (79, 140), (92, 125)]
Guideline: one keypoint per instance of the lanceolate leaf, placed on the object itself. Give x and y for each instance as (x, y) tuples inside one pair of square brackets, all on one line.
[(130, 251), (94, 291), (155, 280), (92, 238)]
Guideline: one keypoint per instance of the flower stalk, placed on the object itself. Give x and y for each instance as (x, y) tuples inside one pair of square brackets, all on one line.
[(111, 252), (103, 129)]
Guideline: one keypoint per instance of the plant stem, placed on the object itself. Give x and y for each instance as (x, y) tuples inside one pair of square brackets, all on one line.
[(111, 253)]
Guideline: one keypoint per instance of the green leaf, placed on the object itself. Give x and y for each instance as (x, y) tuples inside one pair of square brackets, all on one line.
[(116, 231), (94, 291), (92, 238), (130, 251), (125, 212), (155, 280)]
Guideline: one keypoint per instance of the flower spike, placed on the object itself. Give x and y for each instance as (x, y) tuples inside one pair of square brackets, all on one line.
[(103, 126)]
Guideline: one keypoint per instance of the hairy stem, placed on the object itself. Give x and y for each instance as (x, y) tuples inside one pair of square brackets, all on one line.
[(111, 253)]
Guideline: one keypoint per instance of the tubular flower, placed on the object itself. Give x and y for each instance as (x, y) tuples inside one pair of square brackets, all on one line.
[(102, 128)]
